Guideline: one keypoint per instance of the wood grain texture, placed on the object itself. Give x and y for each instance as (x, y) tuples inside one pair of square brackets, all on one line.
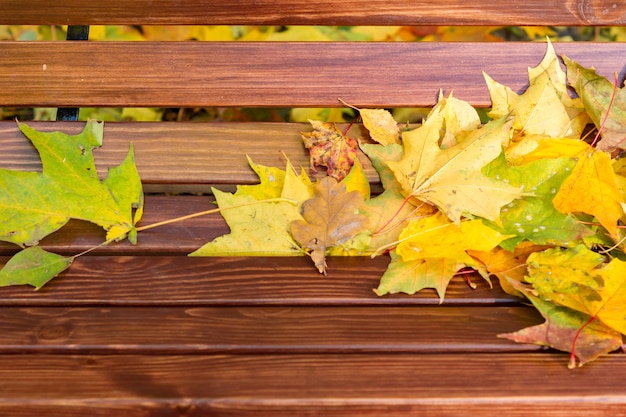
[(271, 74), (328, 12), (307, 384), (147, 331), (183, 157), (284, 329), (180, 280)]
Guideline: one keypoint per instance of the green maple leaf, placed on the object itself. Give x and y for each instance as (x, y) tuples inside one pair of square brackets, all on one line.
[(534, 218), (33, 266), (35, 204)]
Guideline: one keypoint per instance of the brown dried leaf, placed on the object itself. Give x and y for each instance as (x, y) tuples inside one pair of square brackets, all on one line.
[(330, 218)]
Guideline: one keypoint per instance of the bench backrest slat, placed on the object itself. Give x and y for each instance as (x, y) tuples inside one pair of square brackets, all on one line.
[(329, 12), (203, 74)]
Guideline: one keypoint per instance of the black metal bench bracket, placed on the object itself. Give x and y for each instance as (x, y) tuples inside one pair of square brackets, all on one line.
[(74, 33)]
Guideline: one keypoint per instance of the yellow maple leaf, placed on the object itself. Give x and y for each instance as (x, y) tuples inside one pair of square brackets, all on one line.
[(258, 227), (451, 178), (592, 188), (380, 124), (506, 265), (610, 308), (535, 147), (545, 108), (436, 237)]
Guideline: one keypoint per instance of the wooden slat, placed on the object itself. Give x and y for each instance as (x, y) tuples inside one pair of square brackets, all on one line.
[(329, 12), (184, 157), (331, 385), (271, 74), (193, 330), (180, 280)]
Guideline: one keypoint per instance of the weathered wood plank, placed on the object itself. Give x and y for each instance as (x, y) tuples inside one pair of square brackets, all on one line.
[(271, 74), (304, 384), (180, 280), (183, 157), (329, 12), (285, 329)]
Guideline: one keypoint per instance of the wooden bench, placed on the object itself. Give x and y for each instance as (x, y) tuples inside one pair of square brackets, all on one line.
[(147, 331)]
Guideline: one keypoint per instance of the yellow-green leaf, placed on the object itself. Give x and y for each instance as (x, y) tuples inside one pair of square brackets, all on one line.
[(35, 204), (33, 266), (410, 277)]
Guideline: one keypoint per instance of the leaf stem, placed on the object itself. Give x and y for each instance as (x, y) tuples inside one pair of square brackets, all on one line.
[(572, 357), (189, 216), (608, 110), (215, 210), (85, 252)]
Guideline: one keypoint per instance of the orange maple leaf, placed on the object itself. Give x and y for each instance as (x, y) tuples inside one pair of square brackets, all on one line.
[(330, 148)]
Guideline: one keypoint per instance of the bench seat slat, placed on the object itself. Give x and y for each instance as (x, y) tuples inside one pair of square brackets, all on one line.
[(183, 157), (193, 330), (284, 385), (329, 12), (180, 280), (200, 74)]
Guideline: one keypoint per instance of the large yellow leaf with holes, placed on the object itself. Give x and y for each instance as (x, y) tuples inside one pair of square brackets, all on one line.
[(436, 237)]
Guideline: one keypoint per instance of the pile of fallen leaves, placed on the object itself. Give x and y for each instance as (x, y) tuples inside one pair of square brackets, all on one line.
[(531, 197)]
